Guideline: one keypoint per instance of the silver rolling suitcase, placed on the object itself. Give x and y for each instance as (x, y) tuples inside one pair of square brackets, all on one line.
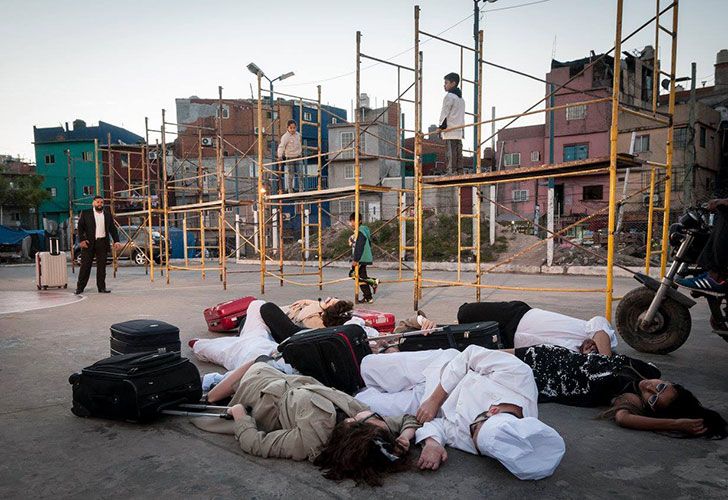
[(50, 268)]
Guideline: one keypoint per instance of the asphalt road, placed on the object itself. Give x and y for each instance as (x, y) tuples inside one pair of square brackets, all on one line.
[(48, 452)]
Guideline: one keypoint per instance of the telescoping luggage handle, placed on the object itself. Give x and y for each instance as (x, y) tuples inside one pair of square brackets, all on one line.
[(399, 336), (184, 411)]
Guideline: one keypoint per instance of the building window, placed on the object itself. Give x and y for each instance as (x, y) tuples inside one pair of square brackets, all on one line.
[(334, 119), (15, 216), (271, 115), (347, 141), (87, 156), (642, 143), (576, 152), (680, 137), (520, 195), (50, 159), (535, 156), (124, 159), (88, 190), (349, 172), (512, 159), (52, 192), (592, 193), (225, 112), (576, 112), (307, 116), (346, 207), (255, 130), (703, 134)]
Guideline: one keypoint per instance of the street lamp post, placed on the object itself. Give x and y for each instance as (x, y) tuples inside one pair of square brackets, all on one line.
[(253, 68)]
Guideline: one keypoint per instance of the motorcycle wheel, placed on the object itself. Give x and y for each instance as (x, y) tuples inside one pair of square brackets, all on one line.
[(670, 328)]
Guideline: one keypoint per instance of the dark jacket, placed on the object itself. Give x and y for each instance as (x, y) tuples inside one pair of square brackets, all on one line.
[(87, 225)]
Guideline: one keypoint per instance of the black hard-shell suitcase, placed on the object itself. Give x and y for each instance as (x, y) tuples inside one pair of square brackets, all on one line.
[(143, 335), (135, 387), (330, 355), (485, 334)]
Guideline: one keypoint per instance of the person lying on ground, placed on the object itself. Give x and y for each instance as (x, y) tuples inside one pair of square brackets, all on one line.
[(523, 326), (639, 399), (479, 401), (293, 416), (255, 337)]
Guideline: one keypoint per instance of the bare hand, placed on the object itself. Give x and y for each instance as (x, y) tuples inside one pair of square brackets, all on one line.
[(714, 204), (237, 411), (427, 410), (404, 443), (428, 324), (432, 455), (588, 347), (118, 245), (84, 244), (692, 426)]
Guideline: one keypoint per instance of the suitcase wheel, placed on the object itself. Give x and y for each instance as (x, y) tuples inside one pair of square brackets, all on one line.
[(74, 378), (45, 287), (65, 286)]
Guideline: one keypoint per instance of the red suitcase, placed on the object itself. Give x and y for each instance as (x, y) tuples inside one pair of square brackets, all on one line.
[(227, 316), (381, 321)]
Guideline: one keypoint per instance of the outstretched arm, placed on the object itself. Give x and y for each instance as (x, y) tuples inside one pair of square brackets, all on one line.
[(229, 384), (692, 426)]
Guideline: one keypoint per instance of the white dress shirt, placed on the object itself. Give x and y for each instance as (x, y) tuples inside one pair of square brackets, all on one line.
[(546, 327), (100, 223), (453, 109)]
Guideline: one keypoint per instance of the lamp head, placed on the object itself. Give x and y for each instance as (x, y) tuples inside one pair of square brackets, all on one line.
[(253, 68)]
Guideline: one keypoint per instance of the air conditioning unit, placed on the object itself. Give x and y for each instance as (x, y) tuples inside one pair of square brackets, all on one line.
[(646, 200), (152, 155), (208, 141)]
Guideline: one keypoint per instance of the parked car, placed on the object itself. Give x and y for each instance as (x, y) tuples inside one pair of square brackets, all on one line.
[(137, 250)]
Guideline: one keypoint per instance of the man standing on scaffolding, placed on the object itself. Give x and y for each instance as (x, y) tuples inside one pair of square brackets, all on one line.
[(452, 115), (290, 149)]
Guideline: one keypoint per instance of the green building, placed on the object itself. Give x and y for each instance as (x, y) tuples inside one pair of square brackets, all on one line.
[(57, 149)]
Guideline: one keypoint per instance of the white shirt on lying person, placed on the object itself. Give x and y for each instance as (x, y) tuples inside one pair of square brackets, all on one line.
[(546, 327), (474, 380)]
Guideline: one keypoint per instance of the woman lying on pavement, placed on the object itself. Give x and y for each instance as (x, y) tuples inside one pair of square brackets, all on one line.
[(292, 416), (255, 337), (522, 326)]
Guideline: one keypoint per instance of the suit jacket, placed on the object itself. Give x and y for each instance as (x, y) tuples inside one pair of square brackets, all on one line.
[(291, 416), (87, 225)]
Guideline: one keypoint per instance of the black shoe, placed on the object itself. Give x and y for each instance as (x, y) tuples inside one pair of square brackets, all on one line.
[(104, 290), (78, 292)]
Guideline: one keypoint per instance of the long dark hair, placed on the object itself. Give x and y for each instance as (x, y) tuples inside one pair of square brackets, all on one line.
[(362, 452), (685, 405), (337, 313)]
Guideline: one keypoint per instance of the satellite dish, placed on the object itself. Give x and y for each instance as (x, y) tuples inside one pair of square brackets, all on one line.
[(666, 84)]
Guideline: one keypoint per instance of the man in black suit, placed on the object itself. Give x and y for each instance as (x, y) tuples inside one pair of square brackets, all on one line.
[(94, 228)]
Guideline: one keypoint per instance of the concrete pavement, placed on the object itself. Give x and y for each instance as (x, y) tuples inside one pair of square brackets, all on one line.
[(48, 452)]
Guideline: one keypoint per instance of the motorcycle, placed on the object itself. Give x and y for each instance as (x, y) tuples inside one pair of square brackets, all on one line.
[(655, 318)]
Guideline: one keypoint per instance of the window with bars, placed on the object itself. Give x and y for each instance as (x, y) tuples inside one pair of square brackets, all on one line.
[(511, 159), (87, 156), (535, 156), (576, 112), (347, 141), (349, 172), (520, 195), (50, 159), (89, 190), (225, 112), (307, 116), (52, 192), (680, 137), (591, 193)]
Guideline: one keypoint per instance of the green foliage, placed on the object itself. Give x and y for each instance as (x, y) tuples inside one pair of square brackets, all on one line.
[(26, 191)]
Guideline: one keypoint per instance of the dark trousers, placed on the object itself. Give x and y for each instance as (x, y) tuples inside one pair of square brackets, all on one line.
[(98, 249), (363, 285), (715, 254), (453, 156), (506, 314), (280, 325)]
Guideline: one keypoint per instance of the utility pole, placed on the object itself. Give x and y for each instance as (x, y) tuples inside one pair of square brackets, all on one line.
[(476, 79), (689, 165)]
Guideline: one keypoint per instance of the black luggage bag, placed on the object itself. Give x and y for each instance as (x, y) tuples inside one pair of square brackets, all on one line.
[(135, 387), (144, 335), (330, 355), (484, 333)]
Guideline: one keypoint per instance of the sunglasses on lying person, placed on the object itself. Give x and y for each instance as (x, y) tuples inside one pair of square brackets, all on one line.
[(652, 400)]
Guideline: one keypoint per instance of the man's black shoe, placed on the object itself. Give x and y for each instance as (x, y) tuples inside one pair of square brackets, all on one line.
[(104, 290), (78, 292)]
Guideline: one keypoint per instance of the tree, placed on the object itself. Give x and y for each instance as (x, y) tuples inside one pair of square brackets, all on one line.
[(22, 190)]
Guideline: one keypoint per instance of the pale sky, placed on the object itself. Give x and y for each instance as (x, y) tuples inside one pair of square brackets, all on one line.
[(119, 61)]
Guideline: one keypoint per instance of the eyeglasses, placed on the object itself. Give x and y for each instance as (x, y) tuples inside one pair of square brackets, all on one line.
[(652, 400), (474, 426), (371, 415)]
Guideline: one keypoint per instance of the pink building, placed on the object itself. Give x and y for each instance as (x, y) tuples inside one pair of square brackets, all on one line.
[(580, 131)]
